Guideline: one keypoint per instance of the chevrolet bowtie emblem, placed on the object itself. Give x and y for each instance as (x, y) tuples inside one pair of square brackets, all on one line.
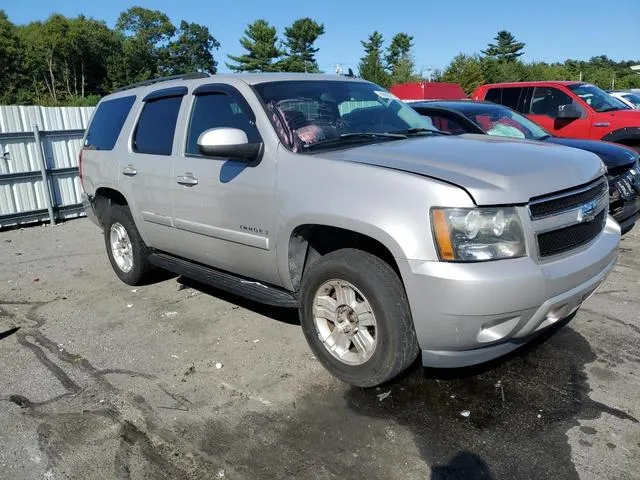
[(587, 211)]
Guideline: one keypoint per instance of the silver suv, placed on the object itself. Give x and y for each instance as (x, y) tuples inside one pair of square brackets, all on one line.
[(329, 195)]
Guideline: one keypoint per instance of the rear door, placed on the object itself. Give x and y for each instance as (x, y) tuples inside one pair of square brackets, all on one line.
[(543, 109), (146, 174)]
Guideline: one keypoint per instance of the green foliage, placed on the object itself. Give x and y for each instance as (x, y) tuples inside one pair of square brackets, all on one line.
[(299, 52), (260, 42), (400, 63), (191, 51), (506, 48), (465, 70), (371, 67), (11, 52)]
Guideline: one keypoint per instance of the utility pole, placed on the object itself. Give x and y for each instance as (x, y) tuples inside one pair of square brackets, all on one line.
[(613, 81)]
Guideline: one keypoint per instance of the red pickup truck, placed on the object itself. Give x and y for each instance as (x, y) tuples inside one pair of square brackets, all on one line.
[(568, 109)]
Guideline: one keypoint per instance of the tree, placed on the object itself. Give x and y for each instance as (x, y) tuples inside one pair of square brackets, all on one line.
[(299, 53), (260, 42), (144, 33), (466, 70), (371, 67), (11, 51), (399, 59), (506, 48), (191, 51)]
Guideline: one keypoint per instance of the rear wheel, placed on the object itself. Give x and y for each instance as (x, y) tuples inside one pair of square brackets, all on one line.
[(127, 252), (356, 318)]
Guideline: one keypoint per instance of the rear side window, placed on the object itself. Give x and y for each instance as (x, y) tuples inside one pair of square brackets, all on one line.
[(107, 123), (156, 126), (494, 95), (510, 97)]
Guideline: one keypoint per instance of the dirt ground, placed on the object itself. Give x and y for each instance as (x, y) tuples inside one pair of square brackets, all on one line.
[(175, 380)]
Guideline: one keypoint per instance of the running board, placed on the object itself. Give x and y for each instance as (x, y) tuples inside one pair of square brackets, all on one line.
[(228, 282)]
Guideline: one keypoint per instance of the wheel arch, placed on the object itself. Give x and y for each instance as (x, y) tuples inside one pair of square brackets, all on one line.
[(629, 136), (308, 241)]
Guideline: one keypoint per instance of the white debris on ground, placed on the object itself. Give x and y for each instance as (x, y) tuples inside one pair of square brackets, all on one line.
[(169, 314), (218, 365), (465, 413), (384, 395)]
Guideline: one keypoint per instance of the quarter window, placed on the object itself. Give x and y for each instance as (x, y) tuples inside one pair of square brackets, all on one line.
[(217, 110), (107, 123), (157, 126)]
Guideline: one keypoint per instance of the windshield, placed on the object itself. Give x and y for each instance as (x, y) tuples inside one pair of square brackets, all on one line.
[(596, 98), (633, 98), (496, 120), (314, 112)]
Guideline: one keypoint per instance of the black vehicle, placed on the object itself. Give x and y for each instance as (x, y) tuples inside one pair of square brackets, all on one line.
[(466, 116)]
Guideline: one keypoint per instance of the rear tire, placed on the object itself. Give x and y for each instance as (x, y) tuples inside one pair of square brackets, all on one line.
[(128, 254), (355, 316)]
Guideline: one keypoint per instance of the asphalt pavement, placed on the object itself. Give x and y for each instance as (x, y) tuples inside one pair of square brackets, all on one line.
[(100, 380)]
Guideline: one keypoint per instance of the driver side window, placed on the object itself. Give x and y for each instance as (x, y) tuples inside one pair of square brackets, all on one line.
[(217, 110), (546, 100)]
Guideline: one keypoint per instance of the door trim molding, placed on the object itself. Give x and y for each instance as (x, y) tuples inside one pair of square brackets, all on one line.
[(256, 241)]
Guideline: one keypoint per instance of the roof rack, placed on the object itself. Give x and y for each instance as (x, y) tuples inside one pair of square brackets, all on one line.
[(182, 76)]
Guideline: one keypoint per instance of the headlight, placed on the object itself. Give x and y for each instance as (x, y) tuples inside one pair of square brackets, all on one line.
[(477, 234)]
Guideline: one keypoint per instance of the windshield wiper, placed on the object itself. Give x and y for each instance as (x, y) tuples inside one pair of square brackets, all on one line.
[(543, 137), (356, 136), (419, 130)]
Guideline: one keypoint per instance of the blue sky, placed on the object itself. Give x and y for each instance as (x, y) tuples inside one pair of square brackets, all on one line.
[(553, 30)]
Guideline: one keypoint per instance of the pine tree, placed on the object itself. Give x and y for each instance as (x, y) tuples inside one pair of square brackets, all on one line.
[(300, 53), (371, 67), (506, 48), (260, 42), (399, 60)]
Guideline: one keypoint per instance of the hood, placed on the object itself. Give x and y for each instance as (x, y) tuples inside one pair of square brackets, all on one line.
[(612, 154), (493, 170)]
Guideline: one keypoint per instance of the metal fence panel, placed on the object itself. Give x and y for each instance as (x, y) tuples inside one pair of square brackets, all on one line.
[(23, 193)]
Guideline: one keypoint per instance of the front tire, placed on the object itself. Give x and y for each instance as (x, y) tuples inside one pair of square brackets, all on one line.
[(127, 252), (355, 316)]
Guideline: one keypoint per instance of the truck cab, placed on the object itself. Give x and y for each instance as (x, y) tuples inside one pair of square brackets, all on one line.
[(568, 109)]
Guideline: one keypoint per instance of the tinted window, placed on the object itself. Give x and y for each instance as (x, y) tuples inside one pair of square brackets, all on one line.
[(445, 124), (510, 97), (493, 95), (107, 123), (217, 110), (157, 124), (546, 101)]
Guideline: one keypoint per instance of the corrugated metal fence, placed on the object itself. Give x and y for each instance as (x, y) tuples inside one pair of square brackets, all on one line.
[(39, 149)]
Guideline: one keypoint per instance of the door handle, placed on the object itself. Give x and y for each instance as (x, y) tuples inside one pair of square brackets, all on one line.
[(187, 179), (129, 171)]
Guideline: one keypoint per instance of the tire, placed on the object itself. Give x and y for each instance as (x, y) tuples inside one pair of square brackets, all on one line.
[(375, 288), (136, 267)]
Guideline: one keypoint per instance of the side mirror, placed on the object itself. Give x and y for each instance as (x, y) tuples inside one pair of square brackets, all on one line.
[(570, 111), (228, 143)]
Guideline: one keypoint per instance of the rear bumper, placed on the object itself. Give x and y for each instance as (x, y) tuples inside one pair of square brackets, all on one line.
[(466, 314), (89, 208)]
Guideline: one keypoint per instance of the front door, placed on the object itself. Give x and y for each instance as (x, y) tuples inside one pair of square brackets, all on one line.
[(544, 111), (224, 209)]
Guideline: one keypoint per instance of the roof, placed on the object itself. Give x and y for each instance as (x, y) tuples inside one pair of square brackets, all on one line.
[(248, 78), (537, 82)]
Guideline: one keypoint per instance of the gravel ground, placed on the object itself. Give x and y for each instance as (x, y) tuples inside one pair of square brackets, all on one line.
[(176, 380)]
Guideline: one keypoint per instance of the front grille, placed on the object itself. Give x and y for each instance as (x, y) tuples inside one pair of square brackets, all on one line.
[(568, 238), (540, 208)]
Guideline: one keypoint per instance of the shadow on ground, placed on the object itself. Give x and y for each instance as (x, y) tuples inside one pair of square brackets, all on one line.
[(505, 419)]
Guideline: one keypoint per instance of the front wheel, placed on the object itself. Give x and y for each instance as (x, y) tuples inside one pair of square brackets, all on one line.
[(356, 318)]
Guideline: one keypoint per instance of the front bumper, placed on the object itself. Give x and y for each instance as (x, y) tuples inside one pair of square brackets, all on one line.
[(469, 313), (627, 214), (90, 209)]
